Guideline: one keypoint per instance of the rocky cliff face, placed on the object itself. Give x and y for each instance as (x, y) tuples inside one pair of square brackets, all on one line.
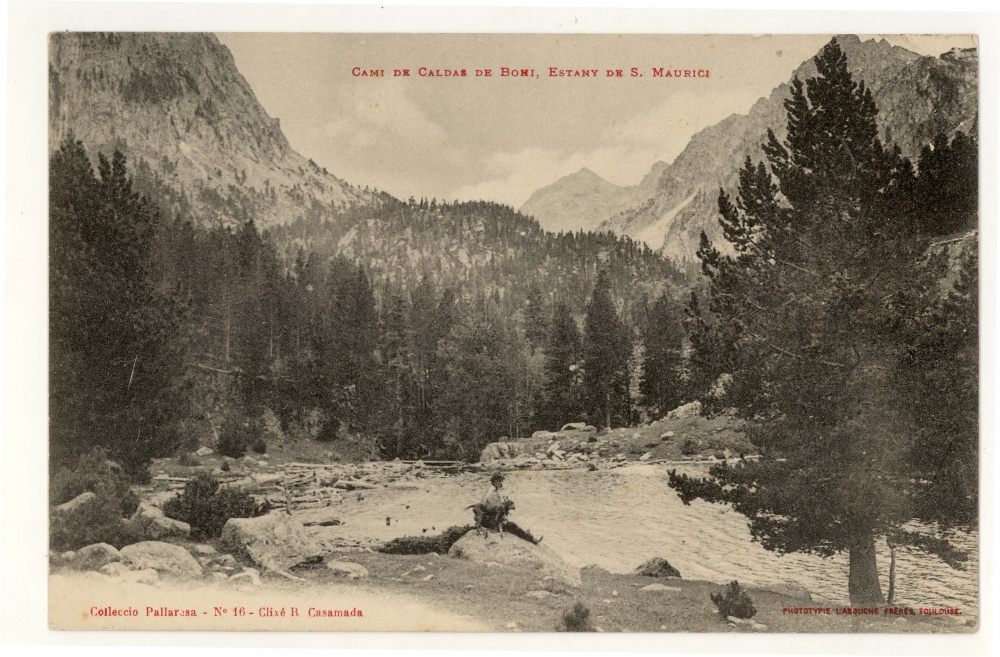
[(176, 105), (918, 97)]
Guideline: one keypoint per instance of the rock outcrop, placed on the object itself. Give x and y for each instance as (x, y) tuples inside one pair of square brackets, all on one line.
[(497, 451), (150, 522), (274, 542), (512, 551), (94, 557), (164, 558), (657, 567)]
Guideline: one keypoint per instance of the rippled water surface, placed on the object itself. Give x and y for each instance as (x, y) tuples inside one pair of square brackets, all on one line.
[(619, 518)]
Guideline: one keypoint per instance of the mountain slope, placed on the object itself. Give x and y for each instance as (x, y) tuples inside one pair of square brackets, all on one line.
[(176, 105), (918, 97)]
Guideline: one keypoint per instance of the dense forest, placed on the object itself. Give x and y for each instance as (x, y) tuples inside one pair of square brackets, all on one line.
[(434, 328)]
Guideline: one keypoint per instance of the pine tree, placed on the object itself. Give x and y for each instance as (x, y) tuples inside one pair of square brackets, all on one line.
[(116, 356), (807, 317), (536, 318), (663, 337), (606, 349)]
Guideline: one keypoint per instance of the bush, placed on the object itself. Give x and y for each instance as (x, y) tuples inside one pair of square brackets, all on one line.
[(94, 472), (96, 521), (102, 520), (735, 603), (576, 619), (259, 446), (206, 506), (188, 460), (234, 439)]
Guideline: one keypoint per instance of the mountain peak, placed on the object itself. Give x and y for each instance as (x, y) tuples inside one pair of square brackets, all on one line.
[(178, 108)]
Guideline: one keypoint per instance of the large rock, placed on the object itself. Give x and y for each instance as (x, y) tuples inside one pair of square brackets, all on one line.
[(76, 502), (512, 551), (686, 411), (497, 451), (164, 558), (347, 569), (152, 524), (657, 567), (272, 542), (93, 557)]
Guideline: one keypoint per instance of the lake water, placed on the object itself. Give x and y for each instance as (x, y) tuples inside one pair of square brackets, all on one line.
[(619, 518)]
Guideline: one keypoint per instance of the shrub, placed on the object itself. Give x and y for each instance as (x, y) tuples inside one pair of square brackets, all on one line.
[(188, 460), (206, 506), (102, 520), (259, 446), (225, 467), (576, 619), (234, 439), (734, 603), (96, 521), (94, 472)]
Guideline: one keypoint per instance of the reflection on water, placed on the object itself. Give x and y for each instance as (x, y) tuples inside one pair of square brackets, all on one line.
[(619, 518)]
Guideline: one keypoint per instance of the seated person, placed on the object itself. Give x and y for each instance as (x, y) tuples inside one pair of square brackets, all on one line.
[(494, 507)]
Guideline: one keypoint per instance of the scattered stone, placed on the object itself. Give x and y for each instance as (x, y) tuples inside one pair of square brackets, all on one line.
[(418, 569), (574, 426), (657, 567), (272, 542), (249, 460), (667, 435), (68, 555), (759, 627), (614, 594), (739, 621), (165, 558), (93, 557), (220, 577), (203, 549), (660, 587), (428, 578), (500, 451), (646, 456), (607, 601), (347, 569), (512, 551), (204, 451), (144, 576), (76, 502), (251, 575), (113, 569), (511, 625)]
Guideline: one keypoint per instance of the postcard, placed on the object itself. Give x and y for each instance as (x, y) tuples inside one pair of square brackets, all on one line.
[(513, 332)]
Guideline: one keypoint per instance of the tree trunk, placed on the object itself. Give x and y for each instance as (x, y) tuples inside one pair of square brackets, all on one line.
[(892, 575), (862, 582)]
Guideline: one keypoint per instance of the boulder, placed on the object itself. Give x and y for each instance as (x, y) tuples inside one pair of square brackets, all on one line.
[(270, 427), (113, 569), (153, 525), (667, 435), (574, 426), (690, 410), (657, 567), (517, 553), (76, 502), (542, 434), (93, 557), (272, 542), (165, 558), (204, 451), (250, 575), (144, 576), (347, 569), (497, 451)]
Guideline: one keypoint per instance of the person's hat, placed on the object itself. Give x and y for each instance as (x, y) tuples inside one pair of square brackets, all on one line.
[(496, 477)]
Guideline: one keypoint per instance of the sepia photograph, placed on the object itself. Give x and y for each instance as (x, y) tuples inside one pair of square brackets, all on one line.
[(354, 331)]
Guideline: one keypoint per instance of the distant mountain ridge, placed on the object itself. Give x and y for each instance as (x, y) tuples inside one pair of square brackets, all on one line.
[(917, 98), (176, 105)]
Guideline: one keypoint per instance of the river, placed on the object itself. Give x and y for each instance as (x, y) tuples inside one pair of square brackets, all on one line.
[(619, 518)]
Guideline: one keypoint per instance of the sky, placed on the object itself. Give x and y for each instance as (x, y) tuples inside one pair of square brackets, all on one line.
[(501, 138)]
